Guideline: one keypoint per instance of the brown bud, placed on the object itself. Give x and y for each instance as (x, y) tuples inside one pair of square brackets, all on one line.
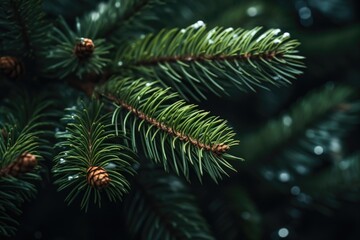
[(97, 177), (11, 67), (84, 48), (26, 162), (219, 148)]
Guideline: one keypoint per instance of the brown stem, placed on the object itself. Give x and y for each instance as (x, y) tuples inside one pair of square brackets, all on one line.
[(87, 86), (203, 58), (89, 82), (155, 205), (217, 149)]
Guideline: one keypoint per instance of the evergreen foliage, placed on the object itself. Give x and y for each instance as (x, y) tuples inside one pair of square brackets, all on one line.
[(162, 207), (13, 192), (173, 133), (305, 139), (87, 142), (324, 108), (136, 134), (234, 214), (118, 19), (195, 59), (23, 29), (341, 180), (63, 60), (23, 125)]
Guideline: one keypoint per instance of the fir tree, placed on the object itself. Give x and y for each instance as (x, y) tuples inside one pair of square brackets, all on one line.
[(105, 101)]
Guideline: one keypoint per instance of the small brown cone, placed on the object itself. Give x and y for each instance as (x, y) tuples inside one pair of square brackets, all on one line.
[(23, 164), (97, 177), (84, 48), (11, 67)]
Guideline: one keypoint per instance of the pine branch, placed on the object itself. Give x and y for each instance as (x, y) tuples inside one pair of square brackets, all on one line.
[(71, 56), (116, 19), (24, 28), (24, 126), (17, 18), (13, 192), (329, 190), (347, 172), (308, 131), (161, 207), (22, 146), (195, 59), (137, 6), (173, 133), (233, 213), (343, 176), (90, 164)]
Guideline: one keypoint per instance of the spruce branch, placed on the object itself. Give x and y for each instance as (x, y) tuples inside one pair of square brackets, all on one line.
[(116, 19), (160, 206), (23, 144), (343, 176), (24, 126), (13, 193), (24, 29), (76, 54), (172, 132), (333, 187), (233, 213), (196, 59), (307, 131), (90, 164)]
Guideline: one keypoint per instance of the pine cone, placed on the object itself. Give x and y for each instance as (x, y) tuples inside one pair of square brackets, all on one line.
[(11, 67), (97, 177), (84, 48), (23, 164)]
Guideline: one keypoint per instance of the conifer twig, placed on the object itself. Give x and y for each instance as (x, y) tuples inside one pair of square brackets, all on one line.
[(196, 59), (169, 128), (217, 149)]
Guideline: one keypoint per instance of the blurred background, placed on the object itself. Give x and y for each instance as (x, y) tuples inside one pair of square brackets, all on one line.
[(301, 177)]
